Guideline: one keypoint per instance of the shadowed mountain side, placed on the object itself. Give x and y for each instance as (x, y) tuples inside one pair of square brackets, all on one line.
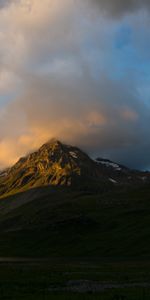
[(56, 221)]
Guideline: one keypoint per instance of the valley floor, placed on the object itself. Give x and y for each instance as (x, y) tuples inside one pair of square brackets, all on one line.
[(75, 231), (72, 279)]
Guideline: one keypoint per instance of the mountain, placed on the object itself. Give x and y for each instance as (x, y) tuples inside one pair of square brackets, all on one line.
[(57, 164), (53, 164), (103, 212)]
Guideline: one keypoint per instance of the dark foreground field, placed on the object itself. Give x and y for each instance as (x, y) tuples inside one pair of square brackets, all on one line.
[(83, 246), (74, 279)]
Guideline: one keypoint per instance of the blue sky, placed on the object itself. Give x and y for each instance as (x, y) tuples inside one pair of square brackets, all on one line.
[(78, 71)]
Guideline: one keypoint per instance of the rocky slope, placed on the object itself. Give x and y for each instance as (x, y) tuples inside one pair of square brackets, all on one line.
[(53, 164), (57, 164)]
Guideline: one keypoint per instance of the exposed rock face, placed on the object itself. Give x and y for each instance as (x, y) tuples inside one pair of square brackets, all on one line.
[(53, 164), (63, 165)]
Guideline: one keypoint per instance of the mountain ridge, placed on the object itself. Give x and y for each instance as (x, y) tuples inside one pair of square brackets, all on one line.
[(58, 164)]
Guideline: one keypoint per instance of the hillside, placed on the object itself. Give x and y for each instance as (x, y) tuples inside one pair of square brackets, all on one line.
[(58, 222)]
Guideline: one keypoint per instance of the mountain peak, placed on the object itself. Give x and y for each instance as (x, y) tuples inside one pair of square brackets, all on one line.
[(58, 164), (53, 164), (51, 143)]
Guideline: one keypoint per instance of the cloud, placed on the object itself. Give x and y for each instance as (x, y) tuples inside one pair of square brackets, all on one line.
[(5, 3), (65, 78), (74, 113), (117, 8)]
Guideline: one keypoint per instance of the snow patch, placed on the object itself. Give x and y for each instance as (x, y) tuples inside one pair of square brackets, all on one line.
[(73, 154), (112, 180), (109, 164), (144, 178)]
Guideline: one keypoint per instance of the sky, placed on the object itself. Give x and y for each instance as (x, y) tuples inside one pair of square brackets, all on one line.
[(78, 71)]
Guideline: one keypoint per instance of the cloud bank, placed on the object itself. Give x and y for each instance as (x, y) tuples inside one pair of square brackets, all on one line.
[(80, 79)]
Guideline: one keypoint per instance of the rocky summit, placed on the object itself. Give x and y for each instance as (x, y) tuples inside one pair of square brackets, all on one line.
[(53, 164), (57, 164)]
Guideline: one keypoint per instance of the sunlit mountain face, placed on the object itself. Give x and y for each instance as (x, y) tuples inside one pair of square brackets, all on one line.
[(77, 71), (59, 165)]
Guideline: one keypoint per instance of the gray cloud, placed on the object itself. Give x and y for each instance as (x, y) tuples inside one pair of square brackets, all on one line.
[(117, 8), (4, 3)]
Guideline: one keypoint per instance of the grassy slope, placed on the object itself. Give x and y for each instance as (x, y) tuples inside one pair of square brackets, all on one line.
[(59, 222)]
